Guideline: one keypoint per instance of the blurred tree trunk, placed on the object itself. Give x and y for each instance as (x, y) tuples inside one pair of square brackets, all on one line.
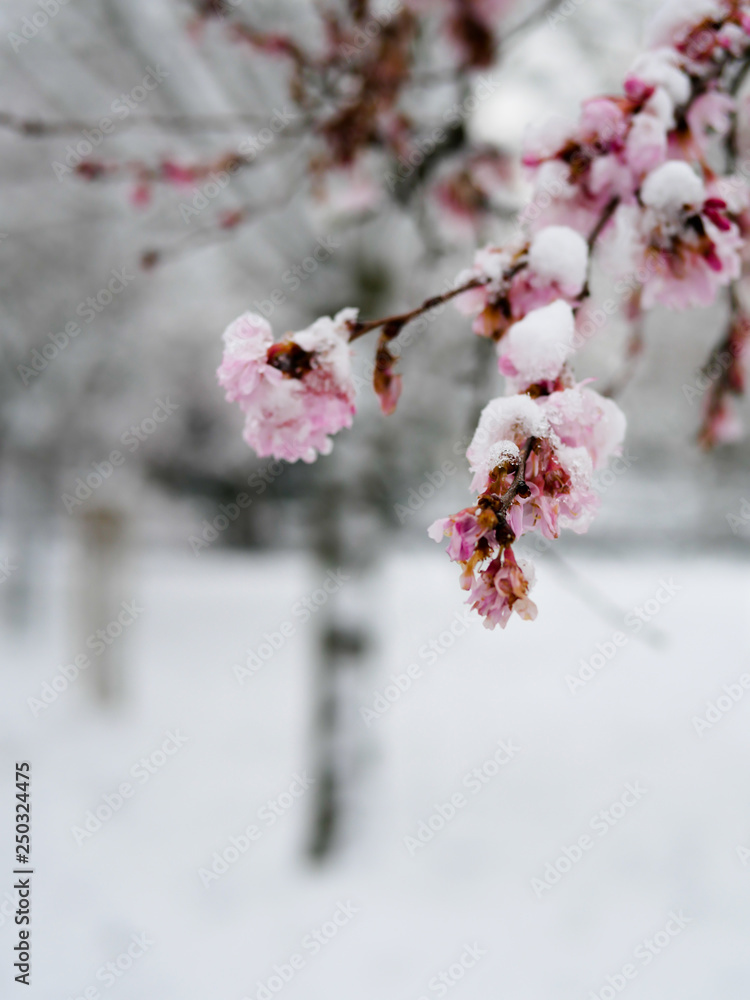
[(100, 593), (348, 537)]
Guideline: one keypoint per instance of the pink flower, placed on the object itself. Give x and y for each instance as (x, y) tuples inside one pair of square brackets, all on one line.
[(560, 436), (535, 349), (465, 190), (502, 585), (709, 113), (293, 393), (576, 431), (582, 418), (682, 240), (523, 278), (603, 156), (502, 588), (656, 80), (174, 173), (464, 530)]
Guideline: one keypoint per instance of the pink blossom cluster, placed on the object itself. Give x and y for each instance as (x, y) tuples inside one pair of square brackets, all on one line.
[(533, 457), (636, 165), (634, 172), (294, 393), (521, 277)]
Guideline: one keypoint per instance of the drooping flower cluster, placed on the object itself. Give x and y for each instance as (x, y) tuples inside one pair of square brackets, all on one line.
[(633, 173), (681, 239), (637, 165), (533, 457), (294, 393)]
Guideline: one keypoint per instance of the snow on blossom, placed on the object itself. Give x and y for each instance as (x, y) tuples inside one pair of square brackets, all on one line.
[(536, 348), (523, 277), (294, 393), (672, 19), (560, 437), (576, 430), (658, 71), (581, 417), (558, 255), (682, 239), (673, 186), (505, 419), (602, 156)]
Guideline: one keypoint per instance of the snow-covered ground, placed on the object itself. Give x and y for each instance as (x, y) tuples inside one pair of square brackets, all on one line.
[(618, 768)]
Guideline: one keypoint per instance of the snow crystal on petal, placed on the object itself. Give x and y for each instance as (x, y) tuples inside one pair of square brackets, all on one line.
[(658, 69), (560, 254), (507, 418), (536, 348), (671, 186)]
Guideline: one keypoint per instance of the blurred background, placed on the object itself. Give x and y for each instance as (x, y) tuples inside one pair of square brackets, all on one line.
[(275, 660)]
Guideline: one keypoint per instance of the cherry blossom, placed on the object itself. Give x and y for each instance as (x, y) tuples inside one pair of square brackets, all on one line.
[(686, 240), (294, 393), (521, 278), (533, 459), (635, 175)]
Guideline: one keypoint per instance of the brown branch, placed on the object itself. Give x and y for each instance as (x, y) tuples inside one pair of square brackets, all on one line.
[(604, 218), (35, 128), (396, 323), (518, 486)]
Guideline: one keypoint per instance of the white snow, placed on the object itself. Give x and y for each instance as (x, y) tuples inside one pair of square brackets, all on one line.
[(504, 419), (631, 721), (672, 16), (540, 343), (560, 254), (671, 187), (503, 451), (658, 68)]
